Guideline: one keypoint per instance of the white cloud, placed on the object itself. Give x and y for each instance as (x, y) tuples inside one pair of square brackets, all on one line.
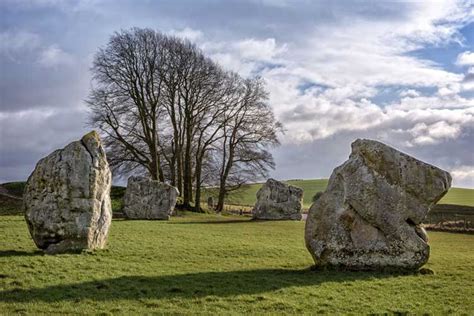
[(431, 134), (410, 93), (53, 56), (465, 59), (246, 56), (259, 50), (463, 176), (188, 33)]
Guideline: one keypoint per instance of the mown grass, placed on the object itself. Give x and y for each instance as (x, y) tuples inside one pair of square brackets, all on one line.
[(205, 264), (247, 194), (459, 196)]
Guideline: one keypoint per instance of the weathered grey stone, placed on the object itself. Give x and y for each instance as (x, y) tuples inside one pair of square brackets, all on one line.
[(277, 200), (370, 214), (67, 198), (149, 199)]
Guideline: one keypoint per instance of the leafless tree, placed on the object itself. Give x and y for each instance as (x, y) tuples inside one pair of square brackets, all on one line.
[(248, 135), (125, 102), (167, 110)]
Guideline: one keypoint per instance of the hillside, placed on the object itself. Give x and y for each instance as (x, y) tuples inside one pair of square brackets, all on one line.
[(247, 195), (459, 196)]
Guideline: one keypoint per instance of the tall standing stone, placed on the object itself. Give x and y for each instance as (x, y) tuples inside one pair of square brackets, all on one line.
[(277, 200), (149, 199), (370, 214), (67, 198)]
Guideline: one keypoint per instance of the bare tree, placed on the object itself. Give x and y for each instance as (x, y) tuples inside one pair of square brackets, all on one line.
[(125, 101), (168, 111), (195, 92), (250, 132)]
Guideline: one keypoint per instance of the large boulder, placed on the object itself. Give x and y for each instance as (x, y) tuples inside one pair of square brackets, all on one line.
[(370, 214), (67, 198), (149, 199), (277, 200)]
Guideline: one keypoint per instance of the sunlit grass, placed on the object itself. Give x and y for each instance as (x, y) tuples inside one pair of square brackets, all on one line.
[(219, 264)]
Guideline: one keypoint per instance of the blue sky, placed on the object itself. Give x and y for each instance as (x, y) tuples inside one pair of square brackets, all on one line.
[(397, 71)]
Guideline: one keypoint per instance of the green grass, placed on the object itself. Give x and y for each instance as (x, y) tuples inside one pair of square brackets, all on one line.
[(220, 265), (15, 188), (247, 194), (459, 196), (116, 196), (9, 206)]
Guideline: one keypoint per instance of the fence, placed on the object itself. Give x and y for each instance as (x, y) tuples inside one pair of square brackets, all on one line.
[(451, 218)]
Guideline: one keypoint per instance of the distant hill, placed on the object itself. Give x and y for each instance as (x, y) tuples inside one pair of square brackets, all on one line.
[(247, 194), (459, 196)]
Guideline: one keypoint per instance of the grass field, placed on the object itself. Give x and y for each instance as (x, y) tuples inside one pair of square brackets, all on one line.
[(219, 264), (459, 196), (247, 195)]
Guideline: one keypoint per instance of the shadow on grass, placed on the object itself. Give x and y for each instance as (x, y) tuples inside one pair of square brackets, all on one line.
[(193, 285), (16, 253), (247, 220), (230, 221)]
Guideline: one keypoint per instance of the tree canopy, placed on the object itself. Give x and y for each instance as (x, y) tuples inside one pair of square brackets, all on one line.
[(168, 111)]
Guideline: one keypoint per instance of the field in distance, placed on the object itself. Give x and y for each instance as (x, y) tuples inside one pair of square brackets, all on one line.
[(246, 196)]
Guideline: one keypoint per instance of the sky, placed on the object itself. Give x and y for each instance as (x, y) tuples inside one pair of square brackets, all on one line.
[(400, 72)]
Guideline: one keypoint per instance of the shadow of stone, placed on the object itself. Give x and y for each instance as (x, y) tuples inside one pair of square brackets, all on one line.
[(16, 253), (231, 221), (184, 286)]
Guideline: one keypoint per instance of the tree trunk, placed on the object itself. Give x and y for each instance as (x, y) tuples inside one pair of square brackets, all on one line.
[(187, 177), (223, 181), (179, 171), (197, 203), (198, 174), (221, 197), (173, 170)]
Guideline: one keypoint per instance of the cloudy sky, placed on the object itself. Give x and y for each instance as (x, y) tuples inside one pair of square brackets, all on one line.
[(397, 71)]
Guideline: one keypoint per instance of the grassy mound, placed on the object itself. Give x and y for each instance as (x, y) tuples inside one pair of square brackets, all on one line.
[(218, 264)]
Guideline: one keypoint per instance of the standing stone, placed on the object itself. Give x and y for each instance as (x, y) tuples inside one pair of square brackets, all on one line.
[(370, 214), (149, 199), (67, 198), (277, 200)]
